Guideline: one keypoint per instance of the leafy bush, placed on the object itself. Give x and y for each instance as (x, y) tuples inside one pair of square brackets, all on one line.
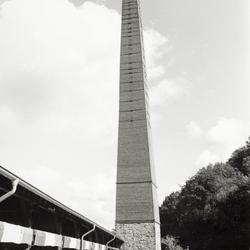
[(170, 243)]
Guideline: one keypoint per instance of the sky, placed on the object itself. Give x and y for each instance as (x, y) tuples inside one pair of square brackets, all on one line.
[(59, 82)]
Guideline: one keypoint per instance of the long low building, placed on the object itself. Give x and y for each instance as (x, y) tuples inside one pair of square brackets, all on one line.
[(38, 216)]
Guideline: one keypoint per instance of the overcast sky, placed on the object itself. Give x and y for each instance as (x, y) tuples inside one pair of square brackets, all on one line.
[(59, 80)]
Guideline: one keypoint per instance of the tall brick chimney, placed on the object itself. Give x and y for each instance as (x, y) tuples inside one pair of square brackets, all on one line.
[(137, 212)]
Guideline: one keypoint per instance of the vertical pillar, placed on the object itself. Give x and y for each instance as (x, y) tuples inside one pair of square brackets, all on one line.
[(137, 212)]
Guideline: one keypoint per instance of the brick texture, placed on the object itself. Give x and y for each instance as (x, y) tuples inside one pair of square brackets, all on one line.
[(137, 212)]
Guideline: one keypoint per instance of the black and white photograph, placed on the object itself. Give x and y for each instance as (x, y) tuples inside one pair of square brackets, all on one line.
[(124, 124)]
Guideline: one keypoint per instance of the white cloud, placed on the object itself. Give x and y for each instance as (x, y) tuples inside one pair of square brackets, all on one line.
[(156, 45), (230, 132), (168, 90), (222, 139), (207, 157), (5, 114), (59, 84), (193, 129), (97, 189), (154, 40), (162, 89), (164, 92), (155, 72)]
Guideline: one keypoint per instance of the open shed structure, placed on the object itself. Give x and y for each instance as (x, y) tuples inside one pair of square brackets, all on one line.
[(38, 214)]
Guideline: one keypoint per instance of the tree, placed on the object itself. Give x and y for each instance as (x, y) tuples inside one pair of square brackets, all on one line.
[(212, 210), (240, 159)]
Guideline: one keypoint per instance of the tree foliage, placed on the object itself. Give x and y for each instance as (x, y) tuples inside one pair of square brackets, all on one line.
[(241, 159), (212, 210), (170, 243)]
